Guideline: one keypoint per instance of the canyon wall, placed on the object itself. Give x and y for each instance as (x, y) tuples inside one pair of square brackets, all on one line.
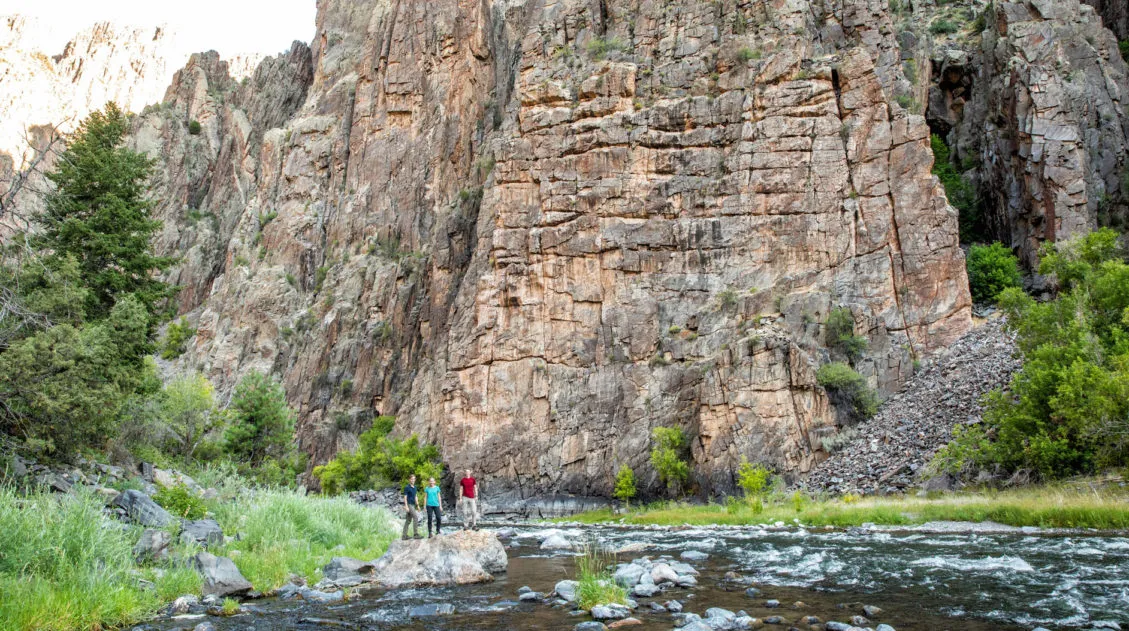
[(534, 231)]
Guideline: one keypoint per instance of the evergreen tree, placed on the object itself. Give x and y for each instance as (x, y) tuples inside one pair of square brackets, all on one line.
[(262, 424), (99, 215)]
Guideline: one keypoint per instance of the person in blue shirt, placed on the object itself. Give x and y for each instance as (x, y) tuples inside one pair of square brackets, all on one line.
[(434, 506), (411, 505)]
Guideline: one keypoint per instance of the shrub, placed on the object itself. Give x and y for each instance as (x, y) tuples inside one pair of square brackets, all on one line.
[(1124, 46), (379, 461), (943, 27), (599, 47), (261, 423), (624, 484), (1065, 412), (991, 269), (841, 334), (665, 457), (753, 479), (176, 339), (596, 584), (194, 128), (848, 389), (181, 502), (188, 408), (747, 54)]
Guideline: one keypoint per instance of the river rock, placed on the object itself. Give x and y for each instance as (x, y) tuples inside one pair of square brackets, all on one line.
[(590, 625), (628, 575), (221, 577), (566, 590), (530, 596), (860, 621), (183, 604), (626, 622), (835, 625), (609, 612), (886, 627), (141, 509), (663, 573), (341, 570), (772, 604), (206, 532), (694, 555), (204, 626), (673, 606), (870, 611), (466, 556), (718, 612), (153, 545), (431, 609), (556, 542)]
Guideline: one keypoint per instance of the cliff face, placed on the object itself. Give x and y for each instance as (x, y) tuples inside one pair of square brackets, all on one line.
[(1035, 100), (536, 230)]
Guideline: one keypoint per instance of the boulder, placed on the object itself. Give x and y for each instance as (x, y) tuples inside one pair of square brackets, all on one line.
[(344, 569), (165, 478), (183, 604), (694, 555), (466, 556), (141, 509), (628, 575), (645, 591), (530, 596), (556, 542), (626, 622), (566, 590), (221, 577), (663, 573), (153, 545), (590, 625), (206, 532), (609, 612)]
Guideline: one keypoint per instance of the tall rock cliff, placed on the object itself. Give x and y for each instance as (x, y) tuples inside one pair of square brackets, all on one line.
[(534, 231)]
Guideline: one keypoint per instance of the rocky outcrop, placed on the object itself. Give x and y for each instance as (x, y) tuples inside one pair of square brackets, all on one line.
[(888, 453), (460, 558), (536, 232), (141, 509), (1037, 106), (221, 576), (1115, 16)]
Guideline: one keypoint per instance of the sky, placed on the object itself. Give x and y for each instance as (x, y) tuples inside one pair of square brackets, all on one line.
[(231, 27)]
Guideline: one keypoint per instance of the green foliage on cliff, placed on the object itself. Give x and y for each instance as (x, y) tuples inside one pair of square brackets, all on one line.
[(1067, 410), (961, 193), (379, 461), (848, 389), (991, 269), (666, 457), (841, 334), (176, 339)]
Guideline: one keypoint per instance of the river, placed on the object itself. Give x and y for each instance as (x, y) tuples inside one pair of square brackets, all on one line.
[(934, 579)]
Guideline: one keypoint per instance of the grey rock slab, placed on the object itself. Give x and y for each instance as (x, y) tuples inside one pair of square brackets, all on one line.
[(141, 509), (221, 577), (340, 568), (153, 545), (206, 532), (609, 612), (628, 575)]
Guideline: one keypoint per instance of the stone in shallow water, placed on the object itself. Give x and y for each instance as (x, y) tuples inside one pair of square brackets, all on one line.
[(673, 606), (694, 555), (529, 596), (860, 621), (461, 558), (628, 575), (870, 611), (221, 577), (645, 591), (609, 612), (590, 626), (718, 612), (566, 590), (431, 609), (886, 627), (556, 542), (626, 622)]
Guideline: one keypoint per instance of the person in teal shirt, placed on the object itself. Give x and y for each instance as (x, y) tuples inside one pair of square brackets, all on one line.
[(434, 506)]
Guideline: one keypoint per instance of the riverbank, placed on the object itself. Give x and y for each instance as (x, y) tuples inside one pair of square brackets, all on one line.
[(1085, 505), (69, 564)]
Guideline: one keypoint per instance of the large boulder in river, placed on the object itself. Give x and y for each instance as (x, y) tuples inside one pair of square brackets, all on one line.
[(221, 577), (346, 572), (142, 510), (456, 559)]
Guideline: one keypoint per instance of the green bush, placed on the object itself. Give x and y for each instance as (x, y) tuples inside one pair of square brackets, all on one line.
[(943, 27), (624, 484), (666, 457), (848, 389), (753, 479), (261, 424), (991, 269), (187, 408), (841, 334), (1124, 46), (194, 128), (176, 339), (379, 461), (1065, 412), (181, 502), (598, 47)]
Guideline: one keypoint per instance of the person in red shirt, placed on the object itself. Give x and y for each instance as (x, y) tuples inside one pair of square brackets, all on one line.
[(468, 497)]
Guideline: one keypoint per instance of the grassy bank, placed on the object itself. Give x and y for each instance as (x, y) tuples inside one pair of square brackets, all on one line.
[(1062, 506), (64, 567)]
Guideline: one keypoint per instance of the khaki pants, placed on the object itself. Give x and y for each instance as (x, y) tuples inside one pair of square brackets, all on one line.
[(412, 518), (470, 512)]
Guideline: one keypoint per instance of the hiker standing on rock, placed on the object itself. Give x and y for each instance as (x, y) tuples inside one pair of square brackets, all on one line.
[(434, 506), (468, 497), (411, 505)]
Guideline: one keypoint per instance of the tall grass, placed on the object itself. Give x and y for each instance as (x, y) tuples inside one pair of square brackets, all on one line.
[(1059, 506), (63, 567), (284, 533), (594, 576)]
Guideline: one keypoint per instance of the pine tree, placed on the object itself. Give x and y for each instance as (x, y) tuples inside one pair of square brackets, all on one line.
[(262, 424), (99, 214)]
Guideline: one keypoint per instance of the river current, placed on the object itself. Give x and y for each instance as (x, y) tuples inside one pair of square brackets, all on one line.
[(926, 579)]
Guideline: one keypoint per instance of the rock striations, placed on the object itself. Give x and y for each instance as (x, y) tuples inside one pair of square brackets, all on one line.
[(534, 231)]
